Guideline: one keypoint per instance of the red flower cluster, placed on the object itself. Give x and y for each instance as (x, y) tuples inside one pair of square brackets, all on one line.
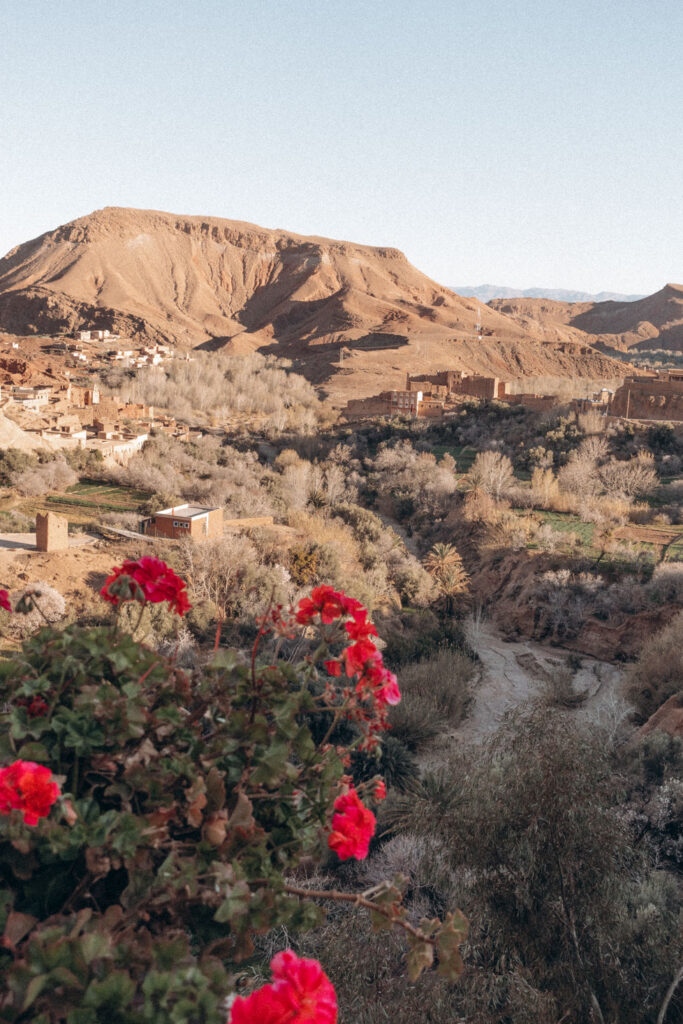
[(301, 993), (353, 826), (327, 602), (361, 658), (4, 601), (149, 580), (35, 707), (28, 787)]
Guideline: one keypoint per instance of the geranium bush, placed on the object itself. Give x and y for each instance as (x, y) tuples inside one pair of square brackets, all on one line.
[(151, 820)]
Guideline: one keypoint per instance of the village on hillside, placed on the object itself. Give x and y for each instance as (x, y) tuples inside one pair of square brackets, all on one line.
[(650, 394), (48, 388)]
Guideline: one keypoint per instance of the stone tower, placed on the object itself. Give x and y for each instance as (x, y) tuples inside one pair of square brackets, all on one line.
[(52, 532)]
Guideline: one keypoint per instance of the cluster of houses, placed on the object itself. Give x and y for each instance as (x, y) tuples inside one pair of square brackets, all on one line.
[(147, 355), (434, 395), (70, 416), (654, 394)]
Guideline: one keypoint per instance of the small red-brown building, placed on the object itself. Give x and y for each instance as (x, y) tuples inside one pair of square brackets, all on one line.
[(196, 521)]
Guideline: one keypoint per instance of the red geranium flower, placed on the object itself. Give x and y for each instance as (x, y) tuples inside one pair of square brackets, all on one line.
[(301, 993), (28, 787), (360, 628), (350, 605), (4, 601), (352, 827), (325, 601), (380, 790), (152, 579), (37, 707), (382, 682), (357, 656)]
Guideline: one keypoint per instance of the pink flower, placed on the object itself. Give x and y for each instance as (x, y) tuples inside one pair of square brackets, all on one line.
[(382, 683), (152, 579), (28, 787), (353, 827), (4, 601), (301, 993)]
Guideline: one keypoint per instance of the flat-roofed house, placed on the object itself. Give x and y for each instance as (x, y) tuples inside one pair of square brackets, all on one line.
[(200, 522)]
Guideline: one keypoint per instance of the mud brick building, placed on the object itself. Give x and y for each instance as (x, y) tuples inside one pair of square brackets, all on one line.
[(52, 532), (196, 521), (657, 397)]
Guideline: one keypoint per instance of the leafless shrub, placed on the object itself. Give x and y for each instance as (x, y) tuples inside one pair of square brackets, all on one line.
[(218, 386), (46, 478), (545, 489), (124, 520), (492, 472), (630, 479), (560, 691), (592, 422), (666, 584)]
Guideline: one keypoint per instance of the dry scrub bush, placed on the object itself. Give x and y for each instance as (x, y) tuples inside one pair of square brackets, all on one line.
[(548, 539), (436, 695), (34, 606), (658, 672), (666, 584), (122, 520), (202, 472), (46, 478), (383, 551), (228, 573), (424, 860), (414, 481), (567, 599), (590, 474), (592, 422), (567, 911), (368, 972), (628, 480)]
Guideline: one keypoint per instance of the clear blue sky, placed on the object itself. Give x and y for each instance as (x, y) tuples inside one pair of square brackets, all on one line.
[(525, 143)]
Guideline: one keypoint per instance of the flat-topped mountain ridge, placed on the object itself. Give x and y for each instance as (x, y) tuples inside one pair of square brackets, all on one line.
[(209, 282)]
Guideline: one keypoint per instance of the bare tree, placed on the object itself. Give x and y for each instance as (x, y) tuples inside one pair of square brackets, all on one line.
[(492, 472)]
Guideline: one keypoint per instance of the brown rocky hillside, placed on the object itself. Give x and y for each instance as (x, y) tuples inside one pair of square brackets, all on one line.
[(199, 281), (655, 322)]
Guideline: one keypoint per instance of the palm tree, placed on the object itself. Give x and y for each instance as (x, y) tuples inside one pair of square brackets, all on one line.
[(440, 557), (445, 565)]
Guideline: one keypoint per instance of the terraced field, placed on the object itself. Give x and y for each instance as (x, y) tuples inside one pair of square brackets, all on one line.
[(86, 501)]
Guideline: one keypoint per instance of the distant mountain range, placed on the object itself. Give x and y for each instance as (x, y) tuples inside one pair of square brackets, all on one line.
[(654, 322), (486, 292)]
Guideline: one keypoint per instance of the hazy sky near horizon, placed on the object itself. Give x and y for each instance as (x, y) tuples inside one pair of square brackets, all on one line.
[(527, 143)]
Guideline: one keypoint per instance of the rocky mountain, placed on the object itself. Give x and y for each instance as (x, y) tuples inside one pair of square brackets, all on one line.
[(486, 292), (654, 322), (352, 318)]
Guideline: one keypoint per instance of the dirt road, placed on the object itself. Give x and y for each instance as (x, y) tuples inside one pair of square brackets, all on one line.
[(515, 674)]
